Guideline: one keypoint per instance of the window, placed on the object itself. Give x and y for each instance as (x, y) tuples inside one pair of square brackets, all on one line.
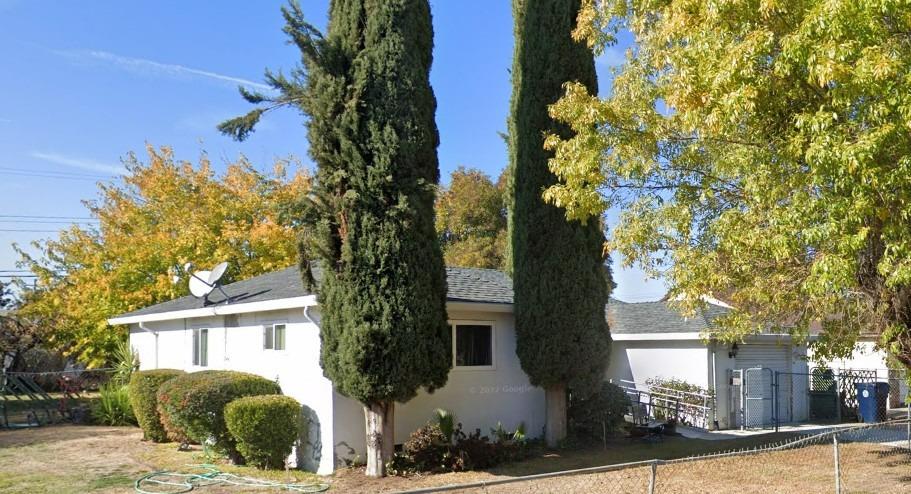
[(201, 347), (473, 345), (274, 337)]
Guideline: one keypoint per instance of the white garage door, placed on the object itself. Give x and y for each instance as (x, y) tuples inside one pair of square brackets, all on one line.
[(775, 357), (791, 396)]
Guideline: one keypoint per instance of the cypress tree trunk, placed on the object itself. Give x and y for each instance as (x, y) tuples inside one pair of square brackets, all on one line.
[(380, 421), (560, 277), (555, 414)]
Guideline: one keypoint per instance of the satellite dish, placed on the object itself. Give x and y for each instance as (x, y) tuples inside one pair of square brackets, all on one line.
[(202, 283), (199, 284), (217, 272)]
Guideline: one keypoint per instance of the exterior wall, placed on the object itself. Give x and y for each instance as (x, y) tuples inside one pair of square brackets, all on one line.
[(478, 398), (867, 356), (638, 360), (240, 347)]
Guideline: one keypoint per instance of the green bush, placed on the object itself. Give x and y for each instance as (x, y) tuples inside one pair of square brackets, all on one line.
[(599, 414), (113, 406), (264, 427), (144, 387), (194, 404)]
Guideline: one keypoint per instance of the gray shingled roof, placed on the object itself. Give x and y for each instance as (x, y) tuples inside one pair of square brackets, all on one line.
[(657, 317), (465, 285)]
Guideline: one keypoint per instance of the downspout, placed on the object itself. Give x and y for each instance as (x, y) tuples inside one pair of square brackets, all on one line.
[(310, 319), (714, 386), (144, 328)]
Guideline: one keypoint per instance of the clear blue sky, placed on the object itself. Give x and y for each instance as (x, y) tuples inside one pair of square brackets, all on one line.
[(84, 83)]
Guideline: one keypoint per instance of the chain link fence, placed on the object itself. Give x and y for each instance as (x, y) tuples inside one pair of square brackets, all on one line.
[(849, 459), (826, 395)]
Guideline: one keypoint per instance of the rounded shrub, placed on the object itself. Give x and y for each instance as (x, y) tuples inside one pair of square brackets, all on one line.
[(264, 427), (143, 396), (598, 414), (194, 404)]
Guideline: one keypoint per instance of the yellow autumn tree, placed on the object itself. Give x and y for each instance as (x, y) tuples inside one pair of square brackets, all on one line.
[(160, 214)]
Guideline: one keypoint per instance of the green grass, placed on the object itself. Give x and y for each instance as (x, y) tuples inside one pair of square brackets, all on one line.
[(111, 480)]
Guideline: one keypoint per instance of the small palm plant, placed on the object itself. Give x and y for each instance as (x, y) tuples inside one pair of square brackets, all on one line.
[(125, 362), (446, 422)]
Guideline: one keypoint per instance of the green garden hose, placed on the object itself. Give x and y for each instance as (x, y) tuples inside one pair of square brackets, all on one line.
[(180, 482)]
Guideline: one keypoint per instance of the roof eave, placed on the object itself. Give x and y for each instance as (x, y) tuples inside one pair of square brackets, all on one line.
[(218, 310), (281, 304)]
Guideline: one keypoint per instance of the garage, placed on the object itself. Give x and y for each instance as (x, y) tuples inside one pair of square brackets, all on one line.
[(777, 362)]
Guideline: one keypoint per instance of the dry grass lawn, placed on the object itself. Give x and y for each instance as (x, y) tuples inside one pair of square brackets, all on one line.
[(80, 459), (866, 468)]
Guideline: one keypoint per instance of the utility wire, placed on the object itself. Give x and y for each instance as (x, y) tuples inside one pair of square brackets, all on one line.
[(10, 230), (53, 172), (38, 216), (60, 177), (83, 222)]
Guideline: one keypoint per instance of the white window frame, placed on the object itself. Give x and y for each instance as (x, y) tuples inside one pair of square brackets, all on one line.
[(493, 345), (272, 324), (195, 355)]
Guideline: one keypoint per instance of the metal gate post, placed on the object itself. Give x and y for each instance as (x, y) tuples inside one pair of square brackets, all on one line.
[(652, 477), (837, 466), (775, 400), (837, 397)]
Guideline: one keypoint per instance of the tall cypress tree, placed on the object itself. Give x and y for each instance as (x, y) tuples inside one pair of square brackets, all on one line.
[(559, 274), (366, 90)]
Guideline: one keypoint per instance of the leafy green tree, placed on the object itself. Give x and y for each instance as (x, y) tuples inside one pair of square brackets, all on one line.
[(365, 89), (757, 150), (471, 220), (161, 213), (559, 272)]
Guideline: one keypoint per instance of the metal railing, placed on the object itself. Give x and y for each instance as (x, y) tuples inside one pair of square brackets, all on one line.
[(686, 408)]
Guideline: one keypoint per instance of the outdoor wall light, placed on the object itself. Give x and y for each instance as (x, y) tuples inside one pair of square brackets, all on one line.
[(733, 352)]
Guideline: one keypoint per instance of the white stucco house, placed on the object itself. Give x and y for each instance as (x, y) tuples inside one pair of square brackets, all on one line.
[(270, 326)]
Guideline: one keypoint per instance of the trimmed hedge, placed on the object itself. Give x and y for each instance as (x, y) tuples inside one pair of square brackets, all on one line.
[(143, 396), (265, 428), (195, 403)]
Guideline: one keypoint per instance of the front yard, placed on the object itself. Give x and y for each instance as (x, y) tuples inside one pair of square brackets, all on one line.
[(78, 459)]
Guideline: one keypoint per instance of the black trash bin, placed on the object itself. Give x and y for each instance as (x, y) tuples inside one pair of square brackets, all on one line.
[(871, 401)]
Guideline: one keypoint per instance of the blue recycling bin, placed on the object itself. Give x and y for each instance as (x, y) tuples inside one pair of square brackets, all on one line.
[(871, 401)]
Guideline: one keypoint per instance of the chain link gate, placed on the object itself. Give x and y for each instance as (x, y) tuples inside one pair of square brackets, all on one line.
[(757, 398)]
